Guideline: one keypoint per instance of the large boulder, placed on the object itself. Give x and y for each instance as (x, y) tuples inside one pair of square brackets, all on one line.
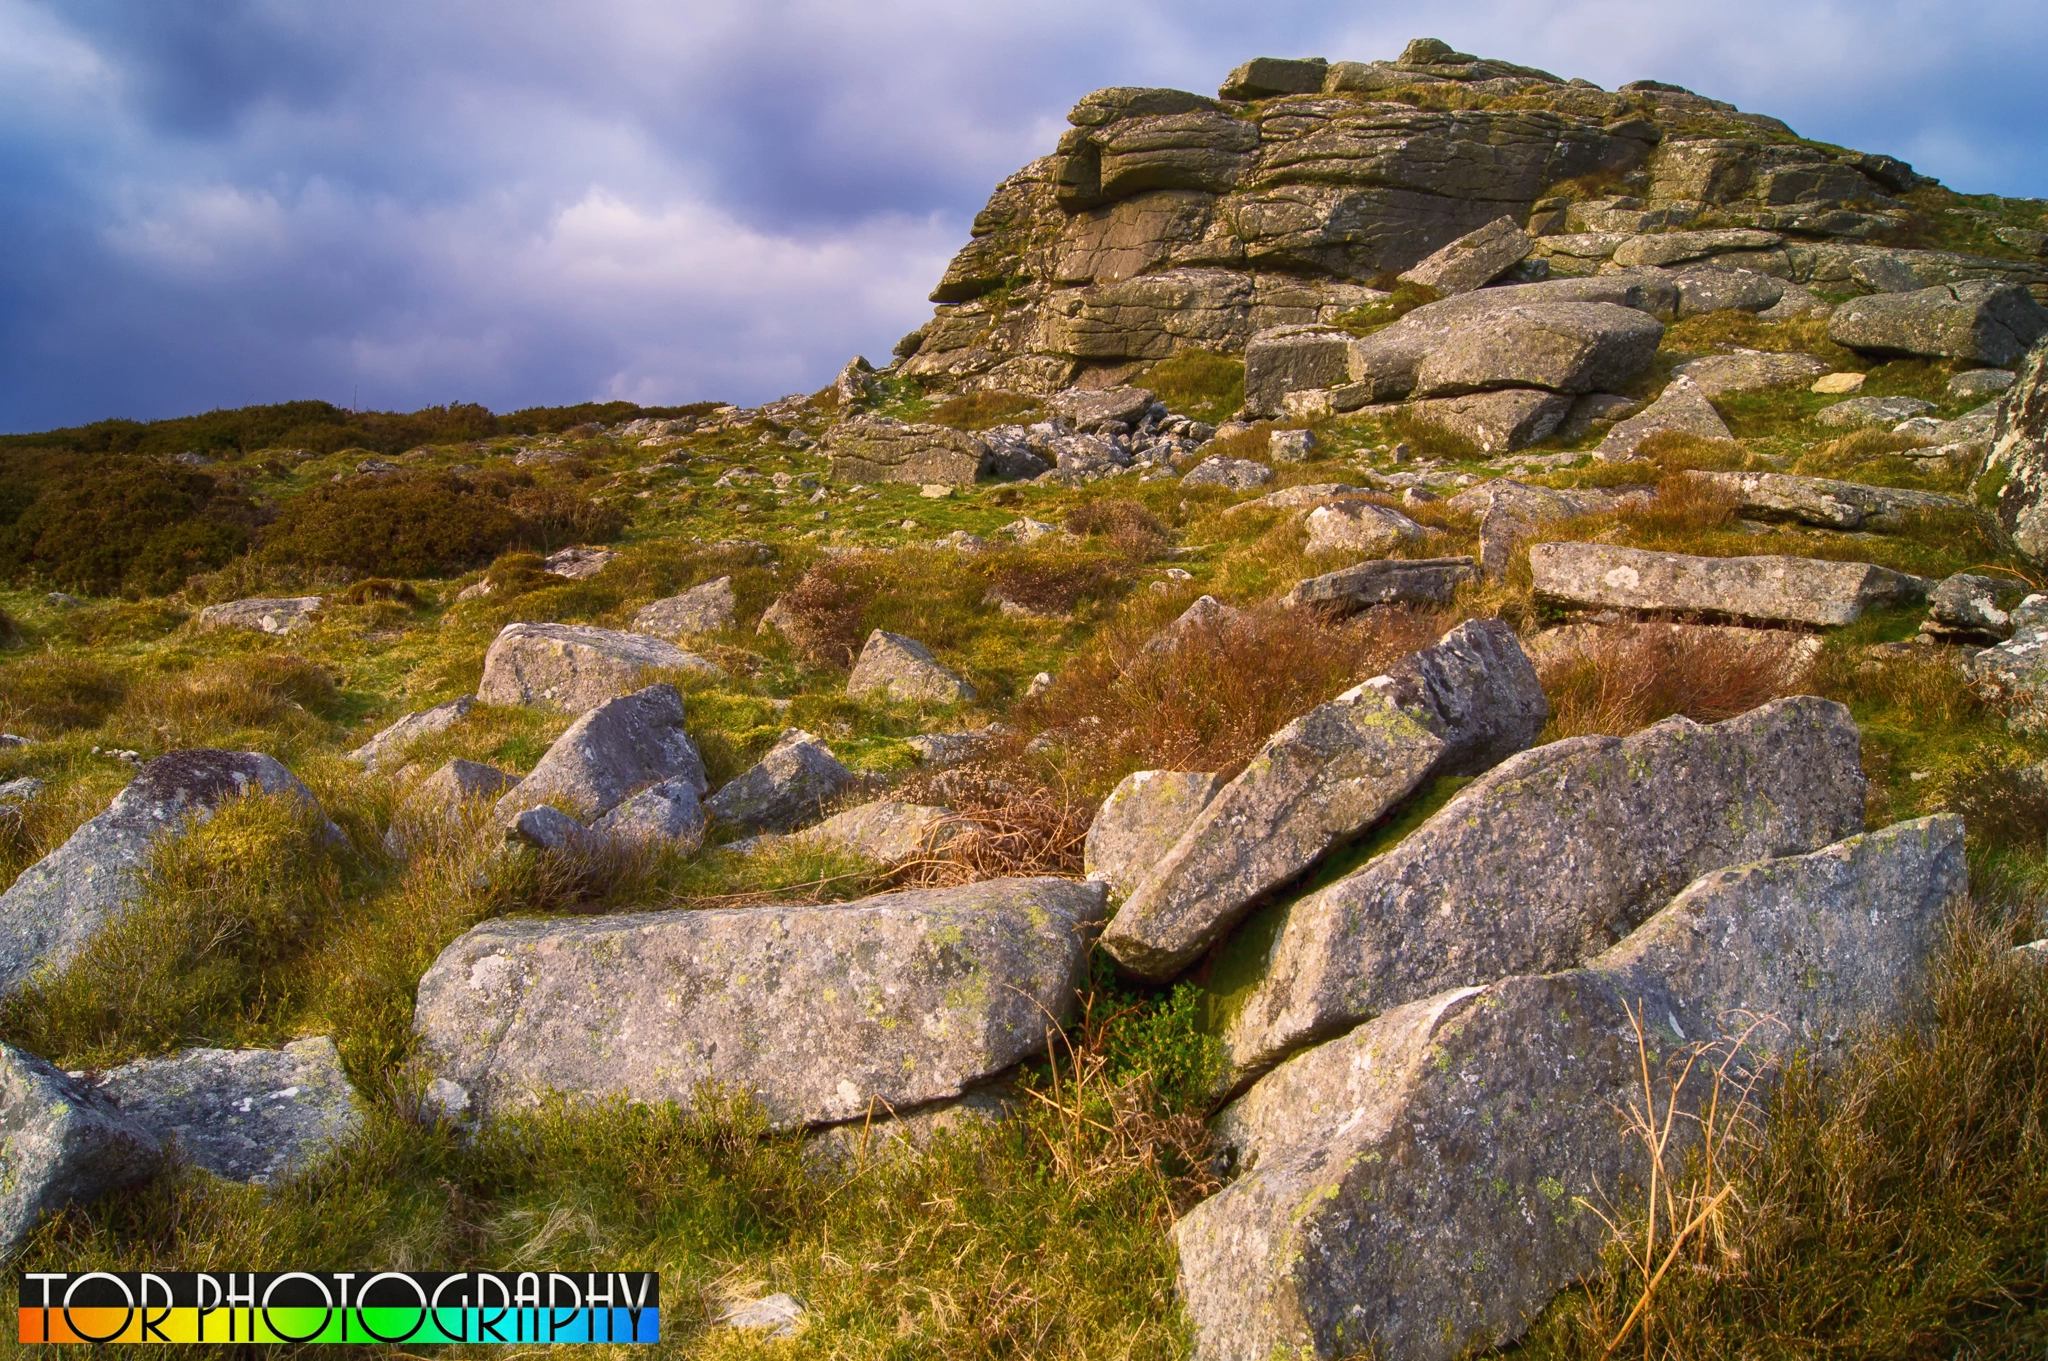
[(57, 905), (1139, 823), (1473, 260), (1771, 589), (2014, 674), (788, 788), (877, 449), (460, 782), (273, 616), (1496, 422), (253, 1115), (1826, 502), (706, 608), (1714, 289), (1682, 407), (1545, 861), (2016, 473), (1971, 609), (1090, 410), (617, 749), (1388, 581), (60, 1142), (892, 666), (389, 745), (1990, 323), (574, 667), (1424, 1185), (823, 1013), (1477, 344), (1457, 707), (1360, 527)]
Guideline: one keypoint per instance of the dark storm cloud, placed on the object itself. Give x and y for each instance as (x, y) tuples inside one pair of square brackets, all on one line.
[(514, 202)]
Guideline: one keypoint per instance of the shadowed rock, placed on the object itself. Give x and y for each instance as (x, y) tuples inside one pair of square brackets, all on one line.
[(786, 789), (618, 748), (1390, 581)]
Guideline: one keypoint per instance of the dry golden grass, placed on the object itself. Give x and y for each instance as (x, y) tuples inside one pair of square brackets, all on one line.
[(1615, 680)]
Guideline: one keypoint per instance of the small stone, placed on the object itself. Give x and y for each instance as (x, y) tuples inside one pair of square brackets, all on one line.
[(549, 829), (1838, 383), (390, 744), (899, 668), (772, 1315), (935, 491), (1040, 683), (1291, 446), (273, 616), (1977, 383), (577, 564), (574, 667), (1360, 527)]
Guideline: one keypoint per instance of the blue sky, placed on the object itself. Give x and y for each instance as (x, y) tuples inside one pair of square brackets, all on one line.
[(214, 202)]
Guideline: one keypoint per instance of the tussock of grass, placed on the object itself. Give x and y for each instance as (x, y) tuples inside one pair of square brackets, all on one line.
[(1206, 386), (1616, 681), (981, 410)]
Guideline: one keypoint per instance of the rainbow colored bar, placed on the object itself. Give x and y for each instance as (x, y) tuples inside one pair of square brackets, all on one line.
[(355, 1307)]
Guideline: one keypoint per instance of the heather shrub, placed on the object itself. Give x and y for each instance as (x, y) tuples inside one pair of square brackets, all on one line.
[(122, 525)]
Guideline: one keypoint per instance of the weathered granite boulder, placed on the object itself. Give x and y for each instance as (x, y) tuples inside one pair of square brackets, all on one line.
[(707, 608), (1424, 1185), (1139, 823), (1292, 359), (822, 1013), (1296, 498), (2016, 473), (389, 745), (1360, 527), (1291, 446), (894, 667), (1477, 344), (1664, 249), (1825, 502), (60, 1142), (1497, 422), (1966, 608), (578, 563), (1545, 861), (574, 667), (62, 901), (2014, 674), (877, 449), (1978, 383), (1682, 407), (1774, 589), (786, 789), (1862, 411), (667, 815), (547, 828), (272, 616), (1206, 615), (1719, 375), (1459, 706), (1238, 474), (1990, 323), (1473, 260), (254, 1115), (1388, 581), (615, 750), (1708, 288), (460, 781), (1264, 77)]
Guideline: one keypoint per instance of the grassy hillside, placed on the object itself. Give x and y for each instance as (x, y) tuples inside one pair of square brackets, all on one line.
[(1898, 1207)]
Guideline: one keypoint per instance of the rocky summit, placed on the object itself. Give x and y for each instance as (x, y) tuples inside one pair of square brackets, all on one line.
[(1415, 723)]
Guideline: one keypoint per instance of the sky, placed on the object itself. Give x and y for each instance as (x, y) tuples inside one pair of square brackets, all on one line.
[(395, 203)]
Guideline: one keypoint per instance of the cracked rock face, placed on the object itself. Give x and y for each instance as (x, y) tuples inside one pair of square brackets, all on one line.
[(1425, 1183), (824, 1013)]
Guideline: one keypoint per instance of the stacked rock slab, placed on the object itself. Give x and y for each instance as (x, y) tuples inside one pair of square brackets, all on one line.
[(60, 1142), (1425, 1184), (1826, 502), (574, 667), (56, 906), (876, 449), (1682, 408), (1543, 862), (1774, 589), (1390, 581), (824, 1013), (1459, 706), (1139, 823)]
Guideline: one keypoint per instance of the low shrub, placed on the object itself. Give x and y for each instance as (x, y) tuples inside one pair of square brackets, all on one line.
[(821, 615), (1133, 531), (1618, 680), (125, 524)]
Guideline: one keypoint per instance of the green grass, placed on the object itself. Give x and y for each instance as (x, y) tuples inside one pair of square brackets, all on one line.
[(1045, 1236)]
